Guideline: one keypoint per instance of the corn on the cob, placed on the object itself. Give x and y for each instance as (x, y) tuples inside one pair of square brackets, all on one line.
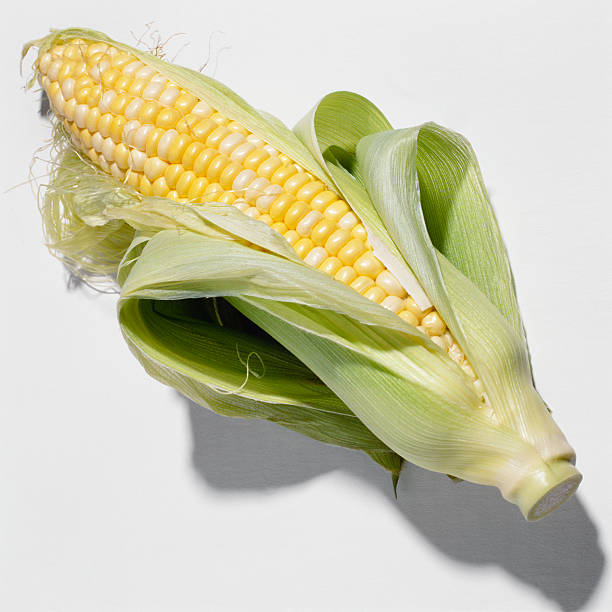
[(163, 141)]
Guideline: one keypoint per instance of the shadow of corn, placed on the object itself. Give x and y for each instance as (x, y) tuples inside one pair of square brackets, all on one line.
[(560, 556)]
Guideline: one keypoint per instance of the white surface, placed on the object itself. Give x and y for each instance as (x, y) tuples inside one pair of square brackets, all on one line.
[(116, 494)]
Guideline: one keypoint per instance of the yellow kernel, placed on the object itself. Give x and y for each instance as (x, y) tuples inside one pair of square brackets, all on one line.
[(197, 188), (322, 200), (351, 251), (321, 231), (187, 123), (368, 264), (123, 83), (230, 172), (376, 294), (185, 103), (336, 210), (346, 275), (219, 119), (302, 247), (227, 197), (291, 237), (95, 94), (203, 160), (104, 124), (116, 128), (269, 166), (409, 317), (234, 126), (309, 190), (121, 155), (172, 174), (359, 231), (149, 111), (330, 266), (216, 136), (204, 129), (280, 206), (295, 213), (144, 186), (159, 187), (411, 305), (167, 118), (279, 226), (177, 148), (172, 195), (132, 178), (65, 71), (254, 160), (92, 155), (191, 152), (296, 182), (85, 137), (267, 219), (184, 182), (152, 141), (216, 167), (280, 176), (82, 95), (118, 104), (137, 87), (109, 77), (362, 284), (213, 191), (434, 324), (337, 240)]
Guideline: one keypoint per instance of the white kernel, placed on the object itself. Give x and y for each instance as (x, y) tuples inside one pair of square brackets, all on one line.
[(201, 109), (164, 143), (136, 160), (348, 221), (229, 143), (304, 227), (54, 69), (129, 130), (316, 256), (140, 137), (103, 164), (241, 204), (146, 72), (270, 150), (455, 353), (97, 142), (133, 108), (116, 171), (264, 202), (298, 168), (131, 68), (44, 62), (105, 101), (46, 81), (80, 115), (252, 212), (68, 88), (241, 151), (468, 370), (58, 102), (169, 95), (108, 149), (256, 188), (242, 180), (153, 90), (393, 303)]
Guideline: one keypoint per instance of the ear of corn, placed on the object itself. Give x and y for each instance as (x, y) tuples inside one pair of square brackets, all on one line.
[(226, 202)]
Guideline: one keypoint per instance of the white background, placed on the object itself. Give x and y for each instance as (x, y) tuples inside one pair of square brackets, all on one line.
[(116, 494)]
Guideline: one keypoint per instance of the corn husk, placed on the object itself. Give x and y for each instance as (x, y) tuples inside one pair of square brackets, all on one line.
[(218, 305)]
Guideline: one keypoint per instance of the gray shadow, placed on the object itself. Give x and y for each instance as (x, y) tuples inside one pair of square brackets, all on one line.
[(560, 556)]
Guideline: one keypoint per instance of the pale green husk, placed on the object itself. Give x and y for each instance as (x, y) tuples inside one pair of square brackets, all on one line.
[(331, 364)]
